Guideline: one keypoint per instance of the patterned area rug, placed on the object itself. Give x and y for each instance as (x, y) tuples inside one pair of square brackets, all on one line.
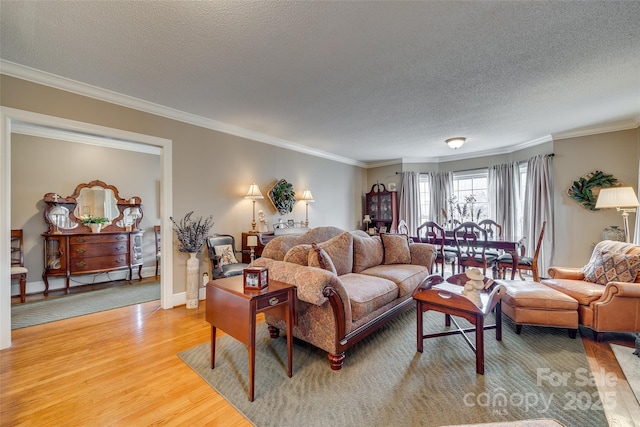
[(541, 373), (64, 307), (630, 364)]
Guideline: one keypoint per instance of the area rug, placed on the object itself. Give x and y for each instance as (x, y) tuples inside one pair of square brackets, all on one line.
[(630, 364), (64, 307), (541, 373)]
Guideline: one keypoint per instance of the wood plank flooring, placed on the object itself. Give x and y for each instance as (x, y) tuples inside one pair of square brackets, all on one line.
[(120, 367)]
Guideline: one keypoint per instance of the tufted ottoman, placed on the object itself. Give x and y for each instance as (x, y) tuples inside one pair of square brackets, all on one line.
[(532, 303)]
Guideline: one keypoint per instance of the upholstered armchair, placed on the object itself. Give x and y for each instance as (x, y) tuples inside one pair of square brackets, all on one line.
[(607, 288)]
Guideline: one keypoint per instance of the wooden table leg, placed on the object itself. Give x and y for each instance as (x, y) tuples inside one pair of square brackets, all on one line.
[(290, 334), (499, 321), (213, 347), (252, 355), (480, 344), (419, 323)]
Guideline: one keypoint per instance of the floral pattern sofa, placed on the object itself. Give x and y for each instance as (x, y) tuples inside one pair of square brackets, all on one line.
[(348, 283)]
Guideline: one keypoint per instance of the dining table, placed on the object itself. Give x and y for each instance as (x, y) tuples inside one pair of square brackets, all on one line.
[(511, 246)]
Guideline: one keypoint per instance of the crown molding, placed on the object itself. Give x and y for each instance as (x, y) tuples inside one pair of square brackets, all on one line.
[(41, 77), (598, 129)]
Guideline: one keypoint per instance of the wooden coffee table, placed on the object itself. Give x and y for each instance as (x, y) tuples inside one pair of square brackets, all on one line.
[(232, 309), (446, 298)]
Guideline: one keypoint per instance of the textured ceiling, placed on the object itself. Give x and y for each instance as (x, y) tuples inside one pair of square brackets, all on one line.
[(369, 81)]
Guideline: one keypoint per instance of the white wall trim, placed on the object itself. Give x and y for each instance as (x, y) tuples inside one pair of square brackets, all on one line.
[(595, 130), (8, 118), (41, 77)]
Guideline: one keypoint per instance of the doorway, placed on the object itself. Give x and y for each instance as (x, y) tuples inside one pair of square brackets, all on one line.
[(16, 121)]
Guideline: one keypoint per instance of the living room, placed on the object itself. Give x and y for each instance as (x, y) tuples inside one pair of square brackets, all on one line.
[(212, 169)]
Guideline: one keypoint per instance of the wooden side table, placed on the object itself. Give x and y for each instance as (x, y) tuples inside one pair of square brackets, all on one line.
[(234, 311)]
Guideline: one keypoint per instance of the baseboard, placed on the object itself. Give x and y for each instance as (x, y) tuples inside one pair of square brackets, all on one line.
[(181, 298)]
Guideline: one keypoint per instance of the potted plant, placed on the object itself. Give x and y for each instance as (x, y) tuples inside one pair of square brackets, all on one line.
[(94, 222)]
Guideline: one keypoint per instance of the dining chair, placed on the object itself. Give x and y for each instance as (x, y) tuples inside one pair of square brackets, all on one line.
[(494, 231), (431, 232), (222, 254), (18, 270), (471, 243), (158, 236), (526, 263)]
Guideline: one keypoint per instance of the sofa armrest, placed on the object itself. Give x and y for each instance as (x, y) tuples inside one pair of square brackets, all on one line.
[(619, 290), (422, 254), (566, 273)]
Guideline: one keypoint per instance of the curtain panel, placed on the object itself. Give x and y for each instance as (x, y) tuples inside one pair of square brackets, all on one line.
[(409, 208), (441, 189), (504, 197)]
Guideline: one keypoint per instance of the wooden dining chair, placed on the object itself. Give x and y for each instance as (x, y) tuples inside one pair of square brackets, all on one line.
[(18, 270), (158, 236), (505, 262), (471, 243), (431, 232), (494, 231)]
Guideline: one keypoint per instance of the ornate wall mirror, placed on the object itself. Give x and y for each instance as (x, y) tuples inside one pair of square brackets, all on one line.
[(97, 199)]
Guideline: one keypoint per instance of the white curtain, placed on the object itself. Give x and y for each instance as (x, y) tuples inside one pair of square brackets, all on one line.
[(441, 188), (504, 197), (636, 230), (410, 200), (538, 208)]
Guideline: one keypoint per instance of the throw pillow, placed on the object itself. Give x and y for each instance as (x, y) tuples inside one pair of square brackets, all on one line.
[(340, 250), (298, 254), (396, 248), (605, 267), (225, 252), (319, 258), (367, 252)]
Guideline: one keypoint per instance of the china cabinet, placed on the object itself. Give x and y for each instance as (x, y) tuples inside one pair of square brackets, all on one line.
[(72, 248), (382, 207)]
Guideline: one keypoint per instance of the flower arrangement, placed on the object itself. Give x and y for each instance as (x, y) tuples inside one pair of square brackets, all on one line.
[(88, 220), (462, 212), (191, 233)]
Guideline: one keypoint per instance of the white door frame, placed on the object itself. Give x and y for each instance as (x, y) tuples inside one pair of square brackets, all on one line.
[(10, 117)]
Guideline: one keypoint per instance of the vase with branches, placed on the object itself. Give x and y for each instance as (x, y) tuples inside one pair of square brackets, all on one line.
[(191, 233)]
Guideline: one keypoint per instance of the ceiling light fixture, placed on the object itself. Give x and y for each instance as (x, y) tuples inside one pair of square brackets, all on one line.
[(456, 142)]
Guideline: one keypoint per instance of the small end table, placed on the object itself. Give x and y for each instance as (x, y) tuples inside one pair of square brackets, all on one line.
[(232, 309)]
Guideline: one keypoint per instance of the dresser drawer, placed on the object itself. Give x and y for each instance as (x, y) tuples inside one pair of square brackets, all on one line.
[(98, 263), (99, 238), (97, 249)]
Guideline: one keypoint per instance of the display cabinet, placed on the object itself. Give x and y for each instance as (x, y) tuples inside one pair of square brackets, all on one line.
[(72, 248), (382, 207)]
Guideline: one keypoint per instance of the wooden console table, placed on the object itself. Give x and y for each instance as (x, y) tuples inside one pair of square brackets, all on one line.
[(263, 239), (234, 311)]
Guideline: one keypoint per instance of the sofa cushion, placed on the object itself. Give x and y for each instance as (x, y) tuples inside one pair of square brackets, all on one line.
[(396, 248), (299, 254), (319, 258), (367, 293), (584, 292), (367, 252), (529, 294), (605, 267), (340, 250), (406, 276)]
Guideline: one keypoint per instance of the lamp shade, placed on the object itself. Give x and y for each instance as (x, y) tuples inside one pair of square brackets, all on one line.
[(456, 142), (307, 197), (617, 197), (254, 192)]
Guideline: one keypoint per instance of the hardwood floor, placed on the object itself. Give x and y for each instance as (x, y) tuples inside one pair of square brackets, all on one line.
[(120, 367)]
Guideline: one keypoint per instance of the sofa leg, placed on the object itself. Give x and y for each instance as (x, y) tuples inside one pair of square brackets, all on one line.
[(518, 329), (573, 333), (273, 331), (336, 361)]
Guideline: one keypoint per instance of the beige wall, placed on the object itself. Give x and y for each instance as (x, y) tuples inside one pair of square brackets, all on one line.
[(212, 171)]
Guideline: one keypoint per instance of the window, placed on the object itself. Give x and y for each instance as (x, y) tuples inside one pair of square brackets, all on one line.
[(471, 183), (523, 185), (425, 197)]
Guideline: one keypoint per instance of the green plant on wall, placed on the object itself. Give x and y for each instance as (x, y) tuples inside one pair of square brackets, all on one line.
[(283, 197), (582, 190)]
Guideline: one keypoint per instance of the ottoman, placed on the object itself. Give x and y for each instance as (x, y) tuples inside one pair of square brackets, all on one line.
[(532, 303)]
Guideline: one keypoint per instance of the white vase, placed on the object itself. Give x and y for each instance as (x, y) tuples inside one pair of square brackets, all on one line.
[(95, 228), (193, 280)]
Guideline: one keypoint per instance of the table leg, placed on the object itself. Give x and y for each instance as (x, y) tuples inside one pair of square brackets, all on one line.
[(514, 262), (252, 356), (213, 346), (499, 321), (419, 323), (480, 344), (290, 335)]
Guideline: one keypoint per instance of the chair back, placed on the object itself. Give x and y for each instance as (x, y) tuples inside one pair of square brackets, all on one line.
[(17, 248), (538, 247), (222, 264), (471, 242), (494, 230), (219, 240)]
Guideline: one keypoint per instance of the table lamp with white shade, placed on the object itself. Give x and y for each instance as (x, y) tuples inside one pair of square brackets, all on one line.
[(254, 194), (622, 199), (307, 198)]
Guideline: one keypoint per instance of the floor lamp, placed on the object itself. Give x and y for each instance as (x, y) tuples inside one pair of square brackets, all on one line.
[(254, 194), (623, 199)]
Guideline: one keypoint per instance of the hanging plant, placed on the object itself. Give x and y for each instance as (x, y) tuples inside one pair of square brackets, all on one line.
[(585, 190), (283, 197)]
